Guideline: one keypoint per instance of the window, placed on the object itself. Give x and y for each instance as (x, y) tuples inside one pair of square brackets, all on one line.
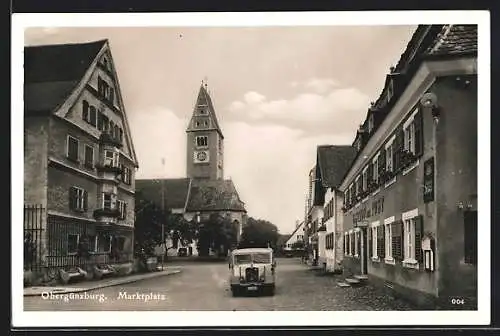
[(100, 121), (104, 243), (73, 241), (409, 137), (202, 141), (388, 241), (111, 158), (409, 239), (107, 201), (122, 207), (93, 116), (111, 95), (470, 237), (390, 91), (375, 169), (356, 243), (370, 123), (374, 242), (117, 132), (85, 110), (89, 156), (120, 243), (78, 199), (121, 135), (365, 178), (92, 243), (388, 157), (72, 149), (112, 128), (126, 175), (103, 88)]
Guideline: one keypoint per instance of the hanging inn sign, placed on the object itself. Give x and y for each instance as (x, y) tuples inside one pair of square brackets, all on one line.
[(429, 180)]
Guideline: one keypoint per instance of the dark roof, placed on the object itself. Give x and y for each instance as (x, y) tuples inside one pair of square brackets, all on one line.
[(455, 39), (175, 191), (428, 41), (51, 72), (205, 99), (282, 239), (214, 195), (333, 163)]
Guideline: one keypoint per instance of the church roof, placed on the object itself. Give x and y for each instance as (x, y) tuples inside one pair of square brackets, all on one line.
[(205, 99), (175, 191), (52, 72), (333, 162), (214, 195)]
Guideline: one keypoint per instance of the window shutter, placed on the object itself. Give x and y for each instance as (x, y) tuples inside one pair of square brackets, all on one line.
[(380, 242), (419, 136), (370, 174), (401, 240), (85, 110), (124, 210), (381, 163), (85, 200), (419, 226), (72, 198), (111, 95), (396, 240), (370, 242), (397, 149)]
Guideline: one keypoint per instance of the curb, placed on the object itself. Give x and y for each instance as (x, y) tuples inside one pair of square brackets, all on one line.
[(118, 282)]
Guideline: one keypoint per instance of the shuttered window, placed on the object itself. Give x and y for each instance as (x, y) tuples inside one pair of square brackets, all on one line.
[(380, 241), (78, 199), (72, 148), (397, 240)]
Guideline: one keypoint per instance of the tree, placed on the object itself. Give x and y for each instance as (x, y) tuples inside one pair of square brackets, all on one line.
[(217, 233), (148, 227), (259, 233)]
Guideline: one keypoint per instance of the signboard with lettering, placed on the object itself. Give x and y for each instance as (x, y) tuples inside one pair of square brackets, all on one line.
[(429, 180)]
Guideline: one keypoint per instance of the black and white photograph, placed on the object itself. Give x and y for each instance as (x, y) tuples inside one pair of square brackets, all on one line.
[(245, 168)]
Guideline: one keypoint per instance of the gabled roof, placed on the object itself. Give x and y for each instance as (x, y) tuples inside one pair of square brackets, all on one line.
[(205, 99), (51, 72), (214, 195), (175, 191), (455, 39), (333, 162), (295, 231)]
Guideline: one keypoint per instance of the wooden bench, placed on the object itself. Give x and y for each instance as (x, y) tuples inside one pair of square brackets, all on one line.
[(103, 271), (72, 273)]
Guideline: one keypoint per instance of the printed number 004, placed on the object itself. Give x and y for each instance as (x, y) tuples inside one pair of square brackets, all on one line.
[(457, 301)]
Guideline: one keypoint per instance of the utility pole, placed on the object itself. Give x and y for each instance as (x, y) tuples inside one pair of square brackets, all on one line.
[(165, 217)]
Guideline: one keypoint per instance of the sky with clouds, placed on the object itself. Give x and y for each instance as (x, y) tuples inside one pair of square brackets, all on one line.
[(279, 92)]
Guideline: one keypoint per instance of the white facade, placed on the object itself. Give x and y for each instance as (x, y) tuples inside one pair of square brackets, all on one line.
[(297, 235), (331, 241)]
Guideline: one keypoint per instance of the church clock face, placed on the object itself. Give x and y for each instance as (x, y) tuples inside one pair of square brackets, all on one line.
[(201, 156)]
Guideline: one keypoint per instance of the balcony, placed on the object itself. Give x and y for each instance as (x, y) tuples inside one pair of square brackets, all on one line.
[(109, 168), (107, 139), (107, 214)]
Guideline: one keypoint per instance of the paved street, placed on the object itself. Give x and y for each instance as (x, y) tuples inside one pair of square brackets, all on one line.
[(203, 286)]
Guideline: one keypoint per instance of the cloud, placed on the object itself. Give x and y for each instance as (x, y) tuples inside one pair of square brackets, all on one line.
[(321, 85), (337, 111), (157, 134)]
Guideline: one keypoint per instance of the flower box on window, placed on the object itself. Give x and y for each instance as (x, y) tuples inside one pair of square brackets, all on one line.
[(109, 168), (107, 138), (407, 158)]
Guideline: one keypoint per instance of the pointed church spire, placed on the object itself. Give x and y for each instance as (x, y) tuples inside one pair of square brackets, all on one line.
[(204, 110)]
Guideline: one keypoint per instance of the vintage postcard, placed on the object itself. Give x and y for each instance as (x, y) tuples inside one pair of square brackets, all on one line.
[(240, 169)]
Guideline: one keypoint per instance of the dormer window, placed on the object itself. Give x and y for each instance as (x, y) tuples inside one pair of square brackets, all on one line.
[(105, 90), (390, 91), (370, 123)]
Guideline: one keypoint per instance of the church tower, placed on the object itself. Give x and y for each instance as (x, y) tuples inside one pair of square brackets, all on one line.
[(205, 142)]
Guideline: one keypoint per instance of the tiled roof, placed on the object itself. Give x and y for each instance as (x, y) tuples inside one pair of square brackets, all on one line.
[(214, 195), (454, 40), (333, 162), (205, 99), (175, 191), (51, 72)]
